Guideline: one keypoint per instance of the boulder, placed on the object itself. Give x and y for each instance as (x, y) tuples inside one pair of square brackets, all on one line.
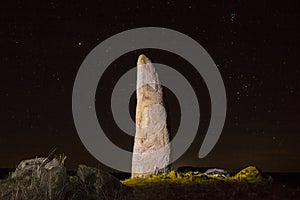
[(53, 179), (41, 178), (99, 184), (30, 167), (249, 174)]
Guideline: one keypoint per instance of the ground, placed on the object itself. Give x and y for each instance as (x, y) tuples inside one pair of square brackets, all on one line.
[(247, 184)]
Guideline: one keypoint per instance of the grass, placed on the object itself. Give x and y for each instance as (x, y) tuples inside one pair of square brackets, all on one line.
[(20, 188), (250, 175), (247, 184)]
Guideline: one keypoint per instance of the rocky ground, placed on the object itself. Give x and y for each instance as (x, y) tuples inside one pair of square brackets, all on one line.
[(41, 178)]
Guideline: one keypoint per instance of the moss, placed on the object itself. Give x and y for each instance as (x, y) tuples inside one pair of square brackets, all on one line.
[(250, 174), (196, 185)]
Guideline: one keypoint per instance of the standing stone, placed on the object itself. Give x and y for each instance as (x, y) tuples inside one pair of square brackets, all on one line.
[(151, 152)]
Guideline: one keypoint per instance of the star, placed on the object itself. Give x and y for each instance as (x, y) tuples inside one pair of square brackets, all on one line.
[(232, 17)]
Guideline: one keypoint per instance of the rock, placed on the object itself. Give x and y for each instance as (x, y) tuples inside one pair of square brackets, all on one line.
[(40, 178), (47, 178), (30, 167), (217, 172), (53, 179), (250, 174), (99, 184), (149, 156), (54, 163)]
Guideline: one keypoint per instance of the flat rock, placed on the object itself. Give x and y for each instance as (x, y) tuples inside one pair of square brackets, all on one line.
[(217, 172)]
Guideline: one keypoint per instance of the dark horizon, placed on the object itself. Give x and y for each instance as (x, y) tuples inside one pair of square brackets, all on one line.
[(255, 46)]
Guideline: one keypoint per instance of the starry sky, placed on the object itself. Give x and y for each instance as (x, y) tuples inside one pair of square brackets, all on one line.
[(255, 45)]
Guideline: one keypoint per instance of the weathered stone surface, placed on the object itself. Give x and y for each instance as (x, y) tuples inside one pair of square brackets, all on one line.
[(41, 178), (249, 174), (217, 172), (53, 163), (30, 167), (151, 153), (40, 174), (53, 179), (99, 184)]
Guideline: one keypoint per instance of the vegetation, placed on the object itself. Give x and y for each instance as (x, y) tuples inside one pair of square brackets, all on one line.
[(250, 175), (247, 184)]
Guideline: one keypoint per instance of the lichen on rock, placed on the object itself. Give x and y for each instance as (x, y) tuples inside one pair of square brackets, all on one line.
[(151, 152)]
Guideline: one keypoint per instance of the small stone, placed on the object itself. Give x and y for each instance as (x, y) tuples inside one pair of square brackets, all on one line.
[(217, 172)]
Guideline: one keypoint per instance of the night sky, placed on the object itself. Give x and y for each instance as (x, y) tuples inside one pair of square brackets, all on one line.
[(255, 45)]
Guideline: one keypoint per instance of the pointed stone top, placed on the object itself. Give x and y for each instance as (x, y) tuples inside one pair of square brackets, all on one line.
[(143, 60)]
